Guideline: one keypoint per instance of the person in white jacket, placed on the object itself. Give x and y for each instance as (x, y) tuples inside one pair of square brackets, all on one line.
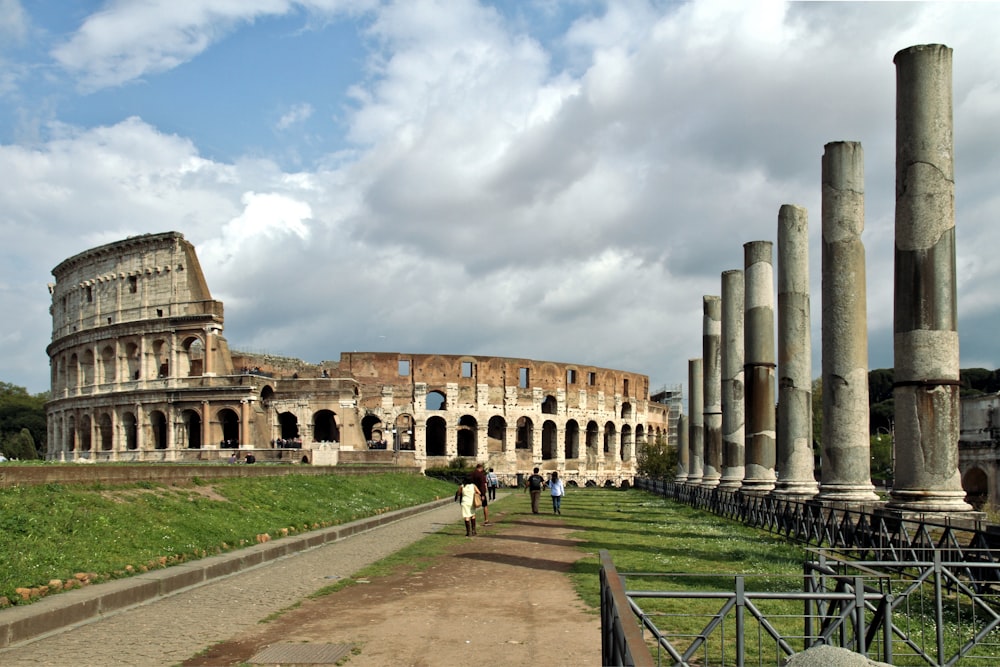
[(558, 490)]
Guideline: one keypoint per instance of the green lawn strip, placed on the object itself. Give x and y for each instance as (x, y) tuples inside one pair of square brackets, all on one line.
[(54, 531)]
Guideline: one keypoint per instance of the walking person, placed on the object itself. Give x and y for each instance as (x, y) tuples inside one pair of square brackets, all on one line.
[(479, 479), (467, 492), (558, 490), (492, 483), (533, 485)]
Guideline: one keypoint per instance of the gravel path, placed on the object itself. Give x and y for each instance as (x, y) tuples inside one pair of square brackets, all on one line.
[(172, 629)]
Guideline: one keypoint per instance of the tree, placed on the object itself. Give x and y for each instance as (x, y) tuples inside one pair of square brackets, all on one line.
[(19, 410), (21, 446), (657, 460)]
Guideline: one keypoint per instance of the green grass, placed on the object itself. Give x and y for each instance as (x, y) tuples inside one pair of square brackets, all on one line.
[(54, 531)]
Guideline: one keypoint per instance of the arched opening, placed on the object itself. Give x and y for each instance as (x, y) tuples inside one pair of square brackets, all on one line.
[(977, 487), (192, 428), (85, 430), (626, 410), (288, 426), (161, 358), (325, 427), (403, 433), (158, 429), (593, 441), (625, 450), (525, 433), (371, 426), (108, 364), (71, 434), (87, 367), (194, 356), (436, 401), (437, 435), (106, 432), (609, 438), (548, 440), (132, 359), (468, 430), (73, 371), (229, 423), (571, 440), (496, 434), (549, 405), (131, 428), (266, 394)]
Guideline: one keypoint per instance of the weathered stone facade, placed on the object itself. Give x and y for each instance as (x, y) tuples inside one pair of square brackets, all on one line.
[(142, 372)]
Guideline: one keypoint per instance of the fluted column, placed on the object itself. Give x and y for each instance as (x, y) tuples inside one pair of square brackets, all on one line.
[(731, 356), (696, 422), (846, 464), (759, 364), (926, 392), (794, 442), (712, 391)]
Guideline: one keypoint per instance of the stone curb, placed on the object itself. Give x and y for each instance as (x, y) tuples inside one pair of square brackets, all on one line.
[(21, 623)]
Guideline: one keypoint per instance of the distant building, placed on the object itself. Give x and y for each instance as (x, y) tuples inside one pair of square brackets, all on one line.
[(140, 371)]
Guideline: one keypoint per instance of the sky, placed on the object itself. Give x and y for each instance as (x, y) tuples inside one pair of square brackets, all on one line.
[(543, 179)]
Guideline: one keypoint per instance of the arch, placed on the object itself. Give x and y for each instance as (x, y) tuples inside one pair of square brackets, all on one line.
[(192, 362), (131, 428), (158, 429), (402, 436), (468, 431), (73, 372), (976, 483), (549, 442), (161, 358), (437, 436), (626, 408), (325, 427), (593, 441), (525, 433), (229, 428), (496, 434), (266, 394), (288, 425), (625, 449), (436, 400), (571, 440), (132, 360), (108, 374), (192, 428), (72, 438), (549, 405), (371, 426), (609, 438), (87, 367), (106, 432), (85, 443)]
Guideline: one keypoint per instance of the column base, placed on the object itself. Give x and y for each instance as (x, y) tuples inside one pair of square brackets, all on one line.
[(793, 490), (928, 502), (849, 494)]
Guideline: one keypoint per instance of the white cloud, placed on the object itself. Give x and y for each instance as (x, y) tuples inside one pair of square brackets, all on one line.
[(14, 23), (297, 114)]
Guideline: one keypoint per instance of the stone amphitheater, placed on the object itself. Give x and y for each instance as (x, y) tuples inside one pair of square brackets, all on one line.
[(141, 371)]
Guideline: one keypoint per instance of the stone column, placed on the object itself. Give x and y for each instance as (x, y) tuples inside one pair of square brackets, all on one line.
[(796, 479), (712, 389), (759, 367), (927, 408), (732, 380), (846, 448), (683, 453), (696, 424)]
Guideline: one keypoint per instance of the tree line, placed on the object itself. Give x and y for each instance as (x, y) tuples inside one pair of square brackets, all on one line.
[(22, 423)]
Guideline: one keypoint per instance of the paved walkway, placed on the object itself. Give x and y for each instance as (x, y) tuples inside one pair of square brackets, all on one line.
[(170, 630)]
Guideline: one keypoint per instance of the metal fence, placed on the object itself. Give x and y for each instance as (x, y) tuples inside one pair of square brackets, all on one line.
[(907, 593)]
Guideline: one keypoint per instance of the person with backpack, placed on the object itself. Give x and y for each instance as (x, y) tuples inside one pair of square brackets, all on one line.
[(533, 485)]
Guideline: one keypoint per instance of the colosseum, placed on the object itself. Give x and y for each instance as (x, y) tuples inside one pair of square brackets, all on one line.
[(140, 371)]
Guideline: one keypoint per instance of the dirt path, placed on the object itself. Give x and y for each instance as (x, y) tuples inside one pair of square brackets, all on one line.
[(500, 598)]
